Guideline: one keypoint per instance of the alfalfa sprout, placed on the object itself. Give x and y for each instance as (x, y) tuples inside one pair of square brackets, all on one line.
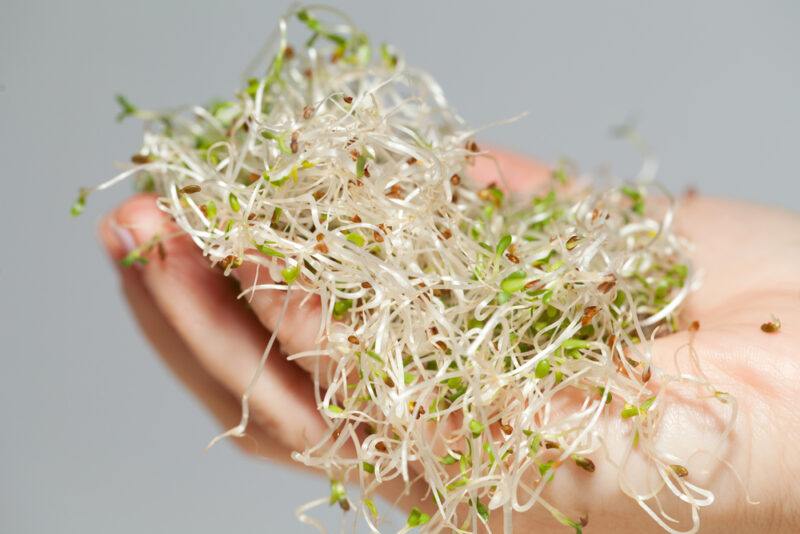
[(455, 314)]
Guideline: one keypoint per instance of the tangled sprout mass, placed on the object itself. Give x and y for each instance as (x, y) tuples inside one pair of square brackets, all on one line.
[(454, 315)]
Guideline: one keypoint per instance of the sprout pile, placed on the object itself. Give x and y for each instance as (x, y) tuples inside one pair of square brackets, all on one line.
[(469, 338)]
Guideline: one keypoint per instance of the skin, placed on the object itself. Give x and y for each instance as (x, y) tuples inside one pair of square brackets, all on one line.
[(750, 255)]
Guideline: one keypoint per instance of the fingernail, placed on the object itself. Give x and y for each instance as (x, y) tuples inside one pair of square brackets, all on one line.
[(124, 236), (117, 239)]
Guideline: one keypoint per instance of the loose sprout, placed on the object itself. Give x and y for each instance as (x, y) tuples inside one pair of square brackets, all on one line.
[(80, 203), (454, 314), (772, 326)]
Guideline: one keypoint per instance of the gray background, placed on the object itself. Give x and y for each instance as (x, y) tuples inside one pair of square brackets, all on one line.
[(96, 437)]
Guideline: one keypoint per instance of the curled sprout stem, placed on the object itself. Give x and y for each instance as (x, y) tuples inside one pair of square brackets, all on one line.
[(456, 317)]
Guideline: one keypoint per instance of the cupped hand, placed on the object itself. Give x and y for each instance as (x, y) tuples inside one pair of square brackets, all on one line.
[(750, 256)]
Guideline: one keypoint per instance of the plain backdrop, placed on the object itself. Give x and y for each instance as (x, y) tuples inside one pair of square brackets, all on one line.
[(95, 435)]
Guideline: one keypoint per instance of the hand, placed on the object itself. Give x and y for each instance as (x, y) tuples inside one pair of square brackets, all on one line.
[(751, 257)]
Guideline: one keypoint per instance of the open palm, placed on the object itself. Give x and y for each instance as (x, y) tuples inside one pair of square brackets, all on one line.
[(751, 259)]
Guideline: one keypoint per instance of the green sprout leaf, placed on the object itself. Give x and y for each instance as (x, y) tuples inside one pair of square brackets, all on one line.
[(80, 204), (370, 504), (662, 289), (333, 408), (305, 17), (338, 493), (476, 427), (146, 184), (502, 245), (126, 108), (543, 203), (361, 164), (630, 410), (681, 271), (631, 192), (572, 344), (252, 86), (455, 382), (233, 200), (559, 174), (542, 368), (636, 197), (546, 468), (448, 459), (356, 239), (482, 510), (341, 307), (201, 142), (316, 27), (368, 467), (493, 195), (374, 355), (269, 251), (363, 51), (275, 68), (266, 134), (645, 407), (513, 282), (389, 59), (417, 517), (536, 442), (275, 183), (276, 215), (462, 481), (457, 387), (546, 296), (290, 274), (217, 108), (211, 209), (134, 257)]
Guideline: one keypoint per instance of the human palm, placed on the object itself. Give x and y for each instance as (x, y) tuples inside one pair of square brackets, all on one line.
[(750, 257)]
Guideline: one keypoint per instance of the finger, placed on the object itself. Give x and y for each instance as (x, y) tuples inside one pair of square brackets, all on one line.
[(732, 359), (199, 303), (183, 364), (299, 328), (216, 398), (743, 250)]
